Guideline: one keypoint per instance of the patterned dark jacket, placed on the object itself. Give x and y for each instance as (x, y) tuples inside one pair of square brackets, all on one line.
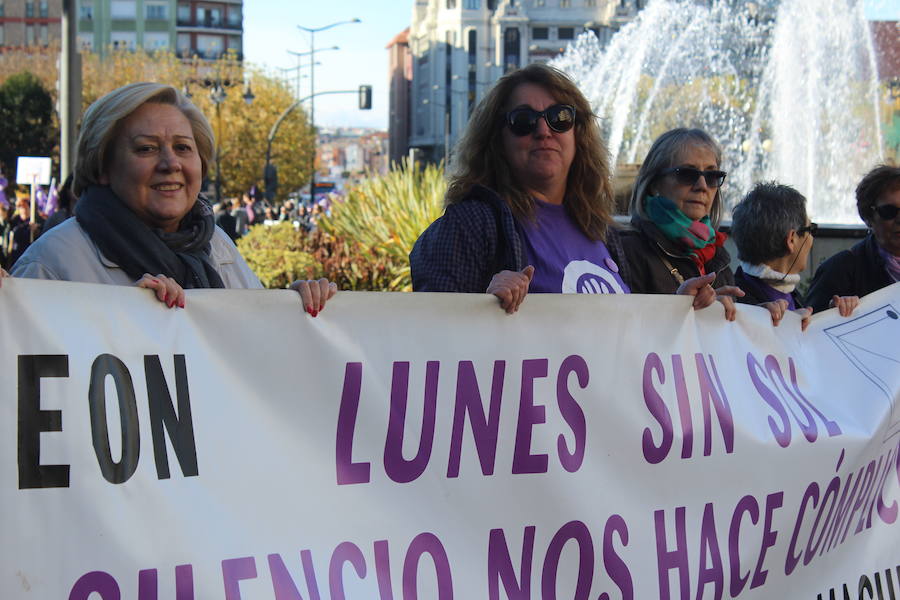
[(854, 272), (475, 239)]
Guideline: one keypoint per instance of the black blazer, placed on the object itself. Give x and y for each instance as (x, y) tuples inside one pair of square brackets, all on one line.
[(854, 272)]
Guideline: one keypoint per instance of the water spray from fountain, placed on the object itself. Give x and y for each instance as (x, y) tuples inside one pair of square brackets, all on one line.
[(790, 91)]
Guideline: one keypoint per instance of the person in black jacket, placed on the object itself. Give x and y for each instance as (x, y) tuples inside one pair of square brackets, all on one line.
[(530, 201), (874, 262), (675, 209), (774, 236)]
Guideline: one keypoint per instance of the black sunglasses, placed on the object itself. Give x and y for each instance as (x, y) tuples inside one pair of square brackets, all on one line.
[(812, 229), (523, 121), (690, 175), (887, 212)]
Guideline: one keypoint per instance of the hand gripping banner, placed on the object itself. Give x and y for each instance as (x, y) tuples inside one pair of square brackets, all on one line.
[(404, 446)]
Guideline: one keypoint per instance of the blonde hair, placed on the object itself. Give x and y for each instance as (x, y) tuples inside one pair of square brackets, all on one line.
[(479, 156), (663, 155), (101, 123)]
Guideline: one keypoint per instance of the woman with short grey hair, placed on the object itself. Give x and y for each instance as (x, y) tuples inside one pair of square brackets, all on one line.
[(774, 236)]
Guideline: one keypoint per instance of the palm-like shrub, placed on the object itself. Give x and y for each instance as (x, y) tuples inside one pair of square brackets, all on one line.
[(378, 222)]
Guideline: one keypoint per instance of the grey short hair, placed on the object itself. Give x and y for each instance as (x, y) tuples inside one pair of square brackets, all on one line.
[(663, 155), (760, 223), (102, 118)]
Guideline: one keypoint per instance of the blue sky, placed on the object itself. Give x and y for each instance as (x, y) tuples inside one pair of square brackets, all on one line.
[(270, 30)]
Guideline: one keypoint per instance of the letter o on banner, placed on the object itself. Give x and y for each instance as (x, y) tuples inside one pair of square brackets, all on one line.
[(95, 582), (422, 543)]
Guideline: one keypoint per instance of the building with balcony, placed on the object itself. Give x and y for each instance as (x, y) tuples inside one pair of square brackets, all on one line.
[(459, 48), (209, 29), (29, 23), (105, 25)]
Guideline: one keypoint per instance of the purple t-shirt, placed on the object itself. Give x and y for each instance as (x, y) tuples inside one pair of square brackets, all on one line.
[(565, 260)]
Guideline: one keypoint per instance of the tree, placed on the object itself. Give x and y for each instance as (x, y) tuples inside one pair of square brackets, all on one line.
[(241, 129), (27, 127)]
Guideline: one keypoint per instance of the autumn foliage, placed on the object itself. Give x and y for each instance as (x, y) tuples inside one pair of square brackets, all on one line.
[(241, 129)]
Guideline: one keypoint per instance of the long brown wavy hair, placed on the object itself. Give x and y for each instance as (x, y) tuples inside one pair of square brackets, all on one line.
[(479, 157)]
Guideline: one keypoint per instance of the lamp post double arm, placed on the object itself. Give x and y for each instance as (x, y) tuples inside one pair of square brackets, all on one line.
[(312, 31)]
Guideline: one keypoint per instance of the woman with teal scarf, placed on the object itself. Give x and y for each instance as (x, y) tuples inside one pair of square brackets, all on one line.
[(675, 209)]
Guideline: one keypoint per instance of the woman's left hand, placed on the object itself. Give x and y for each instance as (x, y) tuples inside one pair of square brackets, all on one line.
[(167, 290), (845, 304), (314, 294), (3, 274), (704, 294)]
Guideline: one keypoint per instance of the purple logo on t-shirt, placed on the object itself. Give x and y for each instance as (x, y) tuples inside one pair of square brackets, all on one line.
[(584, 277)]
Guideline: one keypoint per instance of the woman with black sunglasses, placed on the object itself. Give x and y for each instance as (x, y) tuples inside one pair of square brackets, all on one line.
[(675, 208), (529, 202), (874, 262)]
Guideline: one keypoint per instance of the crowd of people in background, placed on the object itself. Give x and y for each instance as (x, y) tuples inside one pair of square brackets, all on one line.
[(235, 216), (529, 209), (55, 204)]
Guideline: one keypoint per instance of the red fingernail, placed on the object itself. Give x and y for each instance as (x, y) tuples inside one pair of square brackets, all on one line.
[(165, 296), (181, 304), (314, 313)]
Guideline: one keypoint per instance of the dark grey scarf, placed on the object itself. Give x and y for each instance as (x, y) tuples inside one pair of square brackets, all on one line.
[(137, 248)]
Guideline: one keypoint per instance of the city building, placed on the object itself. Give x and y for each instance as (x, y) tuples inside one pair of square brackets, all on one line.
[(29, 22), (188, 27), (125, 25), (210, 29), (400, 78), (345, 155), (459, 48)]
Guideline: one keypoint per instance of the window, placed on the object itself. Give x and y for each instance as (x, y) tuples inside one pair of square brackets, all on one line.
[(123, 9), (43, 36), (29, 35), (540, 33), (473, 62), (451, 4), (2, 34), (157, 10), (123, 40), (472, 4), (183, 44), (511, 49), (540, 3), (234, 17), (565, 3), (210, 46), (29, 9), (1, 12), (44, 12), (156, 40), (184, 14), (86, 10), (86, 41), (209, 17), (566, 33)]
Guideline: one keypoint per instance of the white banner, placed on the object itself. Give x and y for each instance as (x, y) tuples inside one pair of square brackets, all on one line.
[(403, 446)]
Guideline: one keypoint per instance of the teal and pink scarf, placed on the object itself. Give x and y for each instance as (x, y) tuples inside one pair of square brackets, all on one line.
[(698, 239)]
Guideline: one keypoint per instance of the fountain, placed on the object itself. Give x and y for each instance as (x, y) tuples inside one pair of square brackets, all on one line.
[(790, 91)]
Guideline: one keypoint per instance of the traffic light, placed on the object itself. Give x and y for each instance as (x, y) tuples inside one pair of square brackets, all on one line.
[(365, 97), (270, 176)]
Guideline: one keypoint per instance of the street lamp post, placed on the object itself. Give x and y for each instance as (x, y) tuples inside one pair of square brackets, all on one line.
[(312, 94), (217, 95)]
